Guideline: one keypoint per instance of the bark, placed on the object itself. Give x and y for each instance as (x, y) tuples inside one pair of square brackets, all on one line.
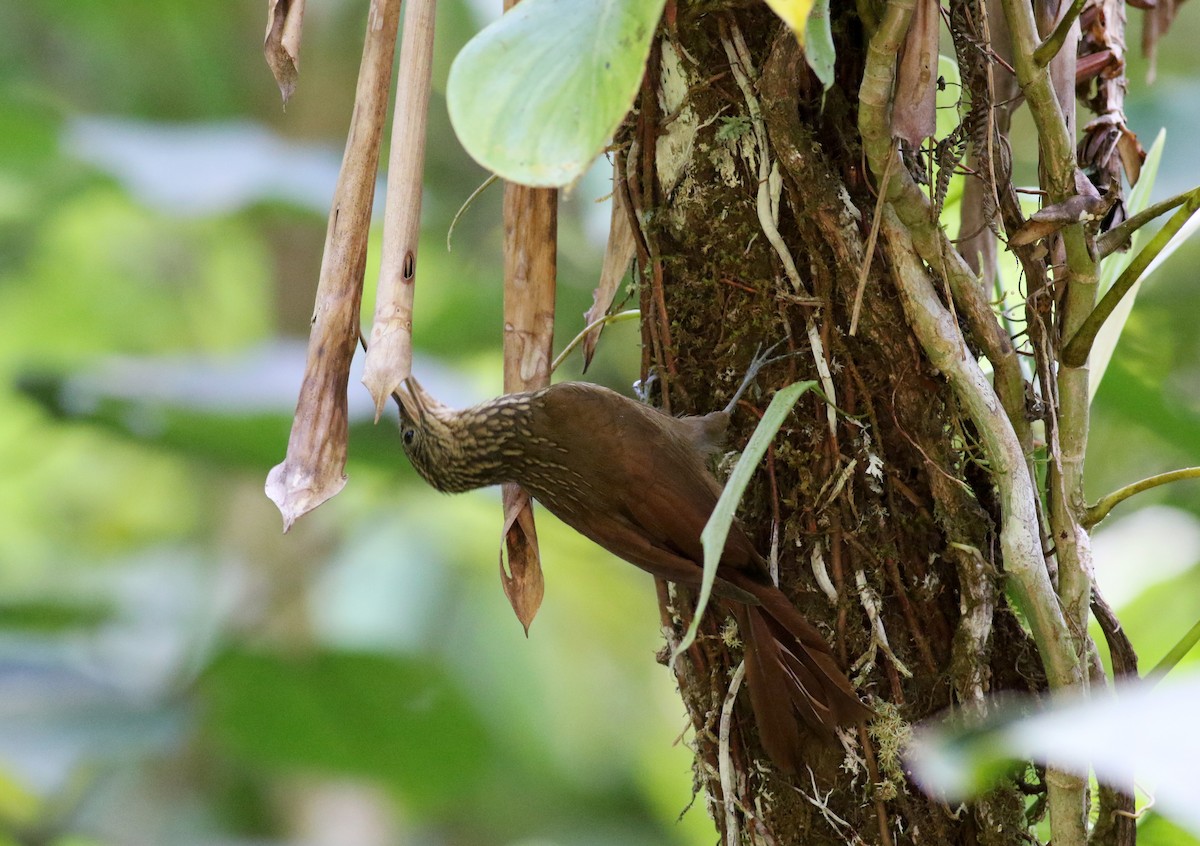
[(746, 185)]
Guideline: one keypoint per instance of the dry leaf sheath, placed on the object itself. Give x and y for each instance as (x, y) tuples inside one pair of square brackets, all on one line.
[(635, 481)]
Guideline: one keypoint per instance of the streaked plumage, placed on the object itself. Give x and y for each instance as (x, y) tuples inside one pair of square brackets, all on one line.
[(636, 481)]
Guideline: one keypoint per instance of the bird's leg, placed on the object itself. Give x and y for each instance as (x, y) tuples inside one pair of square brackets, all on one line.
[(643, 387), (761, 359)]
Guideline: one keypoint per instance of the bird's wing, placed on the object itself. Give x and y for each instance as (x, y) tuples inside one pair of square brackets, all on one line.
[(653, 479)]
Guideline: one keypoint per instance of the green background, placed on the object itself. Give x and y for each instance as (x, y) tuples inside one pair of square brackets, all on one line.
[(172, 668)]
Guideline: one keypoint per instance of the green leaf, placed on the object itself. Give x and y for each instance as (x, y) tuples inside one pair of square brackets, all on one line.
[(397, 719), (717, 529), (818, 43), (51, 615), (1146, 732), (536, 95)]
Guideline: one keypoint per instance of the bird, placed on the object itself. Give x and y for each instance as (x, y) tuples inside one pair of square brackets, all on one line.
[(636, 481)]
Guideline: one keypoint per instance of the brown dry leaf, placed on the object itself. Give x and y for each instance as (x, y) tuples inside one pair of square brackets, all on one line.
[(1133, 155), (523, 582), (617, 256), (530, 255), (281, 45), (389, 354), (914, 110), (314, 468), (1094, 64), (1053, 218)]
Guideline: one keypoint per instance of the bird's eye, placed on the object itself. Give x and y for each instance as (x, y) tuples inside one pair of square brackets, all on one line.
[(408, 435)]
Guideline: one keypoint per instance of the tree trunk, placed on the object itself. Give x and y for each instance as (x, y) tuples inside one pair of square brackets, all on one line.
[(748, 187)]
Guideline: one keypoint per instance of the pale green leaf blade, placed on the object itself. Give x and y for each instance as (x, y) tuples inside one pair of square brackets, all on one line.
[(1112, 267), (819, 51), (536, 95), (717, 529), (1145, 732)]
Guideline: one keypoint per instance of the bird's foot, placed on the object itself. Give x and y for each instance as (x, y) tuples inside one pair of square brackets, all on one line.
[(760, 360)]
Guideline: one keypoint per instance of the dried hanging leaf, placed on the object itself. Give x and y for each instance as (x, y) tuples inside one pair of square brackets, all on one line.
[(530, 254), (617, 256), (524, 585), (1086, 205), (1133, 155), (914, 110), (314, 468), (389, 354), (281, 45)]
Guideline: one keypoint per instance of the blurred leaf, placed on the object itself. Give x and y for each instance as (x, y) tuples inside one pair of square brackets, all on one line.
[(1160, 616), (394, 718), (54, 719), (17, 805), (536, 95), (104, 274), (1140, 399), (235, 411), (49, 616), (1148, 730), (1156, 830)]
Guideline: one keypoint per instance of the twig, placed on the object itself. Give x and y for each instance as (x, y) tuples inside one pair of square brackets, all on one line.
[(768, 204), (1076, 352), (1049, 48), (1096, 513), (871, 238), (914, 209), (739, 62), (1177, 652), (487, 183), (879, 638), (732, 830), (1112, 240), (389, 360), (620, 316)]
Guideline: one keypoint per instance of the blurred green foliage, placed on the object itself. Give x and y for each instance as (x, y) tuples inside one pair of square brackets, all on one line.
[(172, 670)]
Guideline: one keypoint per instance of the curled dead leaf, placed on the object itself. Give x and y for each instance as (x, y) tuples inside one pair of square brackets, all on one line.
[(523, 582), (281, 45)]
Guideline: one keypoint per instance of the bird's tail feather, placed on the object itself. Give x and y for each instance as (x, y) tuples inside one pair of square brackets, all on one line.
[(792, 678)]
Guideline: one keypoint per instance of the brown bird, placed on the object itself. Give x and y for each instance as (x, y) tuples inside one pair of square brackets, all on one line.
[(635, 480)]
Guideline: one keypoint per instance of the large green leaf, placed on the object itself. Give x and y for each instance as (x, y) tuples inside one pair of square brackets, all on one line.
[(536, 95), (397, 719)]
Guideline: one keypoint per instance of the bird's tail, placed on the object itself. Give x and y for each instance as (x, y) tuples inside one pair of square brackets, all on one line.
[(792, 677)]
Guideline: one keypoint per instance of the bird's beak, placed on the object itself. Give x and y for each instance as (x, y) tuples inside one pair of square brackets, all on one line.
[(410, 396)]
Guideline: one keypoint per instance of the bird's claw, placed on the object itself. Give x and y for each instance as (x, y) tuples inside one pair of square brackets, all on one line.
[(760, 360)]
